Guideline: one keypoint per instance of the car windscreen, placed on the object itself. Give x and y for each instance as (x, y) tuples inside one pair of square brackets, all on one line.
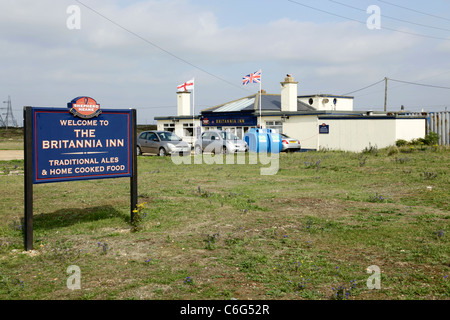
[(168, 136), (229, 136)]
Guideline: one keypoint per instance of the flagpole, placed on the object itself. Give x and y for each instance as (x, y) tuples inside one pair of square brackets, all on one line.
[(193, 112), (260, 119)]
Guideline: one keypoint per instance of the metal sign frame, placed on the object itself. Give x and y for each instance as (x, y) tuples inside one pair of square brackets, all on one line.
[(38, 149)]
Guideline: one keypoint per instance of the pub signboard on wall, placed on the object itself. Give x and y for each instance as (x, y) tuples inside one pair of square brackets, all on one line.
[(324, 129), (229, 120), (80, 142)]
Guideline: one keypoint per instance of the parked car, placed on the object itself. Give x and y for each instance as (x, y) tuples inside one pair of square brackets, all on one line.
[(161, 143), (289, 144), (216, 141)]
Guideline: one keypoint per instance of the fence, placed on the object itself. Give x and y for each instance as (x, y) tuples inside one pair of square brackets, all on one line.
[(439, 122)]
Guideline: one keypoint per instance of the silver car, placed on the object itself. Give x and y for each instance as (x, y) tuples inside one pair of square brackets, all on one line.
[(216, 141), (289, 144), (161, 143)]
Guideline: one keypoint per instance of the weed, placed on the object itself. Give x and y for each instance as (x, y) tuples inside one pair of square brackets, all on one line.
[(401, 160), (301, 285), (377, 198), (429, 175), (342, 292), (138, 216), (17, 225), (439, 234), (308, 225), (312, 165), (104, 247), (10, 286), (188, 281), (392, 150), (204, 193), (362, 160), (370, 150), (210, 241)]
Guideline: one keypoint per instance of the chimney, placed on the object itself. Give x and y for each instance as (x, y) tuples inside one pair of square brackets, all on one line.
[(289, 94), (183, 103)]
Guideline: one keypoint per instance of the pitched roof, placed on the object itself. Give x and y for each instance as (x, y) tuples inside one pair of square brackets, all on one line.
[(269, 102)]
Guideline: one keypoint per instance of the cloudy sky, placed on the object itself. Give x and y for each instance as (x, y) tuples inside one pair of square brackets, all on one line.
[(133, 54)]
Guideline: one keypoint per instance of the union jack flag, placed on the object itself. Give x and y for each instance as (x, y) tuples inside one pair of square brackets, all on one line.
[(252, 78)]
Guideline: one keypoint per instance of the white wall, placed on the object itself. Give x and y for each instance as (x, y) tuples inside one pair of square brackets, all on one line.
[(357, 134), (304, 128), (326, 103), (408, 129)]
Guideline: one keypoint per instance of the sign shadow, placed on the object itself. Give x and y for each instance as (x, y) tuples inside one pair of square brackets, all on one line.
[(71, 216)]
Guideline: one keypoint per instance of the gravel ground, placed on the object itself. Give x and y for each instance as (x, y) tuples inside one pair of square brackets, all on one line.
[(11, 154)]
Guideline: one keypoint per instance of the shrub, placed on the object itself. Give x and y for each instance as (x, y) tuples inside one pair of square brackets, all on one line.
[(431, 139), (370, 150), (392, 150)]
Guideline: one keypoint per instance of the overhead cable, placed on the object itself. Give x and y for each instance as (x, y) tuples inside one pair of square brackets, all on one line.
[(364, 22)]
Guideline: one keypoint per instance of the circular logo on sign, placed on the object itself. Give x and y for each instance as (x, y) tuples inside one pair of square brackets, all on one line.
[(205, 121), (84, 107)]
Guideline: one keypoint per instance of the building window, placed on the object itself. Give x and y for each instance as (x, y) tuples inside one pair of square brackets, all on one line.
[(169, 127), (277, 125), (188, 129)]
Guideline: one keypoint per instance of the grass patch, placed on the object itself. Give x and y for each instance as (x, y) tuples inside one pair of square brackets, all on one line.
[(225, 231)]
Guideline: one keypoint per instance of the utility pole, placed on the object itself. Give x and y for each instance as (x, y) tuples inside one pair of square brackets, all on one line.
[(385, 93)]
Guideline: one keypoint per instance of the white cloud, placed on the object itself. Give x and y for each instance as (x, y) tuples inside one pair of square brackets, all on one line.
[(40, 52)]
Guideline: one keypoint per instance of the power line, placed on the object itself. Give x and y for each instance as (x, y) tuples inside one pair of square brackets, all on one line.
[(401, 81), (420, 84), (392, 18), (413, 10), (159, 47), (364, 87), (363, 22)]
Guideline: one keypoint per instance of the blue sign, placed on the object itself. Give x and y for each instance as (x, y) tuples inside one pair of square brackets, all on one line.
[(233, 120), (324, 128), (67, 148)]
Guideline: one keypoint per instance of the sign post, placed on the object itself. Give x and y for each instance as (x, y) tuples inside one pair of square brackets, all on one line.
[(133, 179), (80, 142), (28, 183)]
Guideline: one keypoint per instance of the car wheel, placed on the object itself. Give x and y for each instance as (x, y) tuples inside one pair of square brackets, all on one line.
[(162, 152), (198, 149), (138, 151), (224, 150)]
